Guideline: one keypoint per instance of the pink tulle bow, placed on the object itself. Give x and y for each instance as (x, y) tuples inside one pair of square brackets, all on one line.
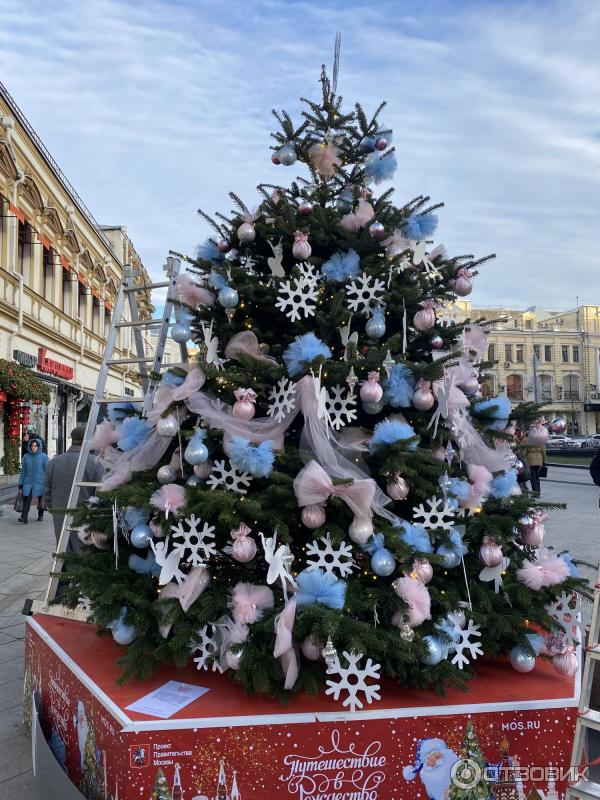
[(104, 436), (416, 596), (248, 602), (481, 479), (191, 294), (373, 377), (167, 393), (325, 158), (284, 646), (245, 394), (313, 486), (363, 214), (241, 532), (245, 343), (546, 570), (169, 498), (396, 243), (476, 340)]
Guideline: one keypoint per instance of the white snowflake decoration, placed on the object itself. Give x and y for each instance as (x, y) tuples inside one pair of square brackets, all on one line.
[(283, 399), (297, 298), (363, 292), (353, 680), (341, 406), (84, 605), (464, 643), (228, 478), (330, 559), (208, 649), (308, 272), (194, 540), (567, 617), (439, 514), (494, 574)]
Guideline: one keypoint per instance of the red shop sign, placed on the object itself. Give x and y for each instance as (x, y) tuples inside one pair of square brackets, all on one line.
[(52, 367)]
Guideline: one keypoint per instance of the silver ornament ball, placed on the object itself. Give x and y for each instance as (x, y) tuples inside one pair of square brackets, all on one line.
[(228, 297), (287, 155), (305, 208), (193, 480), (224, 246), (246, 232), (558, 425), (376, 230), (140, 536), (360, 530), (406, 632), (373, 408), (180, 332), (166, 474), (167, 426), (234, 655), (196, 452), (521, 660)]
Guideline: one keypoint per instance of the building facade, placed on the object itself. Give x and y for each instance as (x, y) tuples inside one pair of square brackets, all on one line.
[(545, 356), (59, 277)]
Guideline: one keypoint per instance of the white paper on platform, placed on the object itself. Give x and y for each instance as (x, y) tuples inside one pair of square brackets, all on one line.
[(168, 699)]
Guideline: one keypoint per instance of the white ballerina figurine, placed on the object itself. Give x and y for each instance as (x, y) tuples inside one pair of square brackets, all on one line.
[(276, 558), (169, 562)]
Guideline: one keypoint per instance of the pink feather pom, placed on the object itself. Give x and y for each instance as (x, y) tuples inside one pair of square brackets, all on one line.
[(546, 570), (248, 602), (416, 596), (364, 213), (169, 498), (325, 158), (481, 479), (475, 340), (191, 294), (104, 436)]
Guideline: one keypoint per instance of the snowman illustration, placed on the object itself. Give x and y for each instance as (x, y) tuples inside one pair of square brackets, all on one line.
[(81, 726), (433, 763)]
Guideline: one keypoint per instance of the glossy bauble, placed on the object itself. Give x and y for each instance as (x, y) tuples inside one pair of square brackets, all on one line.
[(373, 408), (533, 535), (181, 333), (435, 651), (397, 488), (166, 474), (287, 155), (311, 648), (234, 655), (196, 452), (243, 409), (228, 297), (246, 232), (140, 536), (521, 660), (383, 562), (422, 570), (275, 159), (376, 230), (370, 390), (360, 530), (436, 342), (490, 553), (375, 327), (123, 634), (424, 319), (203, 470), (450, 558), (243, 549), (224, 246), (463, 284), (566, 663), (305, 208), (167, 426), (103, 541), (423, 398), (470, 385), (538, 434), (558, 425), (313, 516), (301, 248), (381, 143), (193, 480)]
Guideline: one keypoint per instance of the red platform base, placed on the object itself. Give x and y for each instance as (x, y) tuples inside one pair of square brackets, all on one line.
[(309, 750)]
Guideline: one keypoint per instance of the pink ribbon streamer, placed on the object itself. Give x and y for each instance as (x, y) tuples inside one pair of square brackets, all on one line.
[(245, 343), (167, 394), (284, 648)]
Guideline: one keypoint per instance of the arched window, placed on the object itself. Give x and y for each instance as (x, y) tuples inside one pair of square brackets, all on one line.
[(488, 386), (545, 387), (571, 387), (514, 387)]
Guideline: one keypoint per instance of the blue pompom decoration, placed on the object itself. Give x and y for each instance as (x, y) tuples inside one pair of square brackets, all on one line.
[(133, 432), (420, 226), (460, 489), (390, 431), (341, 266), (414, 536), (216, 280), (302, 351), (380, 168), (170, 379), (495, 408), (255, 459), (144, 566), (116, 412), (399, 387), (503, 485), (316, 586), (209, 252)]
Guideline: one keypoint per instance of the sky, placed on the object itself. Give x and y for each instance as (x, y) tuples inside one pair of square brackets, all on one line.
[(154, 109)]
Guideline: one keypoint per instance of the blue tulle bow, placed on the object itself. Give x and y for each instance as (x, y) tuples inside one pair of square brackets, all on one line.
[(420, 226), (255, 459), (135, 516), (171, 379), (390, 431), (456, 539), (460, 489), (414, 536), (341, 266), (502, 486), (380, 168), (316, 586), (537, 642), (302, 351), (375, 543), (209, 252), (217, 281), (399, 387), (568, 559), (118, 411), (144, 566), (133, 432), (497, 409)]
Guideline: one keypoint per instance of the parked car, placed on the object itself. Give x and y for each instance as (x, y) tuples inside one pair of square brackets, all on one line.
[(592, 441), (559, 440)]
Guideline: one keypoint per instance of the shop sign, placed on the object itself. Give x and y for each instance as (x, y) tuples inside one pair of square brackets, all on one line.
[(26, 359), (45, 364)]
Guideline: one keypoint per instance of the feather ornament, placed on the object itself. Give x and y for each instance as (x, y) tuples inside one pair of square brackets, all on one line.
[(169, 498), (546, 570), (249, 601), (417, 598)]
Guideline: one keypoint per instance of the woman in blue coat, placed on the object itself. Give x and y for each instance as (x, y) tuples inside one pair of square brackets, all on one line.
[(31, 479)]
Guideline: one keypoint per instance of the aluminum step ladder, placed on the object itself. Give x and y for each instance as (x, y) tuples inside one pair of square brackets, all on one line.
[(149, 375), (588, 720)]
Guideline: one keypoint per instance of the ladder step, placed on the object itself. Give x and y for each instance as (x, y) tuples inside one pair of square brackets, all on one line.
[(89, 483), (589, 719), (144, 287), (593, 651), (584, 790), (131, 361), (140, 323), (126, 399)]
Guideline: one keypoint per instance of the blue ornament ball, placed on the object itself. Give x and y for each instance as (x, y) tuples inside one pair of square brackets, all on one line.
[(196, 452), (383, 562), (375, 328), (123, 634), (181, 332), (287, 155), (521, 660), (193, 480), (450, 558), (228, 297), (373, 408), (141, 535), (436, 651)]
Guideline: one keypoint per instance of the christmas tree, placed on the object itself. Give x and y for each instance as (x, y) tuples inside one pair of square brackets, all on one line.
[(90, 778), (326, 478), (469, 780), (161, 788)]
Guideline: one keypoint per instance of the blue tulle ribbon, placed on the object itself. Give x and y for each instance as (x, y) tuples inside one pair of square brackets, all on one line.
[(341, 266), (420, 226), (316, 586), (144, 566), (399, 387), (380, 168), (496, 410), (255, 459), (390, 431), (302, 351), (502, 486), (209, 252), (414, 536), (133, 432)]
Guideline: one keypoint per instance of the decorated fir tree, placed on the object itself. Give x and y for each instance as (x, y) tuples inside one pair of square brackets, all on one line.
[(469, 780), (160, 790), (325, 480), (90, 778)]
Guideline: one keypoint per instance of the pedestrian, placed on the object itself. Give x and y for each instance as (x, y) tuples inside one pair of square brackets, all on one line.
[(523, 475), (535, 456), (59, 479), (31, 479), (595, 468), (25, 439)]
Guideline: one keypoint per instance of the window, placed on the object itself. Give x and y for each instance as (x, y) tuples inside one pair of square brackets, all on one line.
[(66, 291), (492, 352), (167, 358), (536, 351), (508, 352), (487, 386), (545, 387), (514, 387), (519, 348), (529, 324), (24, 253), (47, 273), (575, 354), (571, 387), (565, 353), (547, 352)]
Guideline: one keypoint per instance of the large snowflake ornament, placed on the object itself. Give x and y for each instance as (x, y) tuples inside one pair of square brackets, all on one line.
[(352, 680), (228, 478), (565, 611), (341, 406), (439, 514), (466, 641), (329, 558), (297, 298), (283, 399), (308, 272), (195, 540), (364, 292), (207, 649)]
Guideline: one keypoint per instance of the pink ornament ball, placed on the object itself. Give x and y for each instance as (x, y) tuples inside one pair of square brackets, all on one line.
[(243, 409), (370, 390), (243, 549), (470, 386), (311, 649), (313, 516), (301, 249), (533, 536), (275, 159), (463, 285), (224, 246), (538, 434), (423, 398), (204, 470), (422, 570), (436, 342), (490, 553), (424, 319), (398, 488), (381, 143), (566, 663)]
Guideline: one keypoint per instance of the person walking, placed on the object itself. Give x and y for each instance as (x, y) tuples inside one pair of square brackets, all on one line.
[(535, 456), (31, 479), (59, 479)]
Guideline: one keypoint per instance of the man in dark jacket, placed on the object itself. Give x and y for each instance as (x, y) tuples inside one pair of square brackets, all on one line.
[(595, 468), (59, 479)]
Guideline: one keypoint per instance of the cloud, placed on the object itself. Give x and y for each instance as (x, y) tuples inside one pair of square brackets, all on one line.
[(155, 109)]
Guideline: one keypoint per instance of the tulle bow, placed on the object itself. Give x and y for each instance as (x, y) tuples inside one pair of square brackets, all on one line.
[(313, 486)]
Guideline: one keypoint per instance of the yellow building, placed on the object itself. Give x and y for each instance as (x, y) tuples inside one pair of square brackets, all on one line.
[(545, 356), (59, 276)]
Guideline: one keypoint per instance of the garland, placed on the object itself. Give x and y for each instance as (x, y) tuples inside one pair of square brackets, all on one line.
[(19, 383)]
